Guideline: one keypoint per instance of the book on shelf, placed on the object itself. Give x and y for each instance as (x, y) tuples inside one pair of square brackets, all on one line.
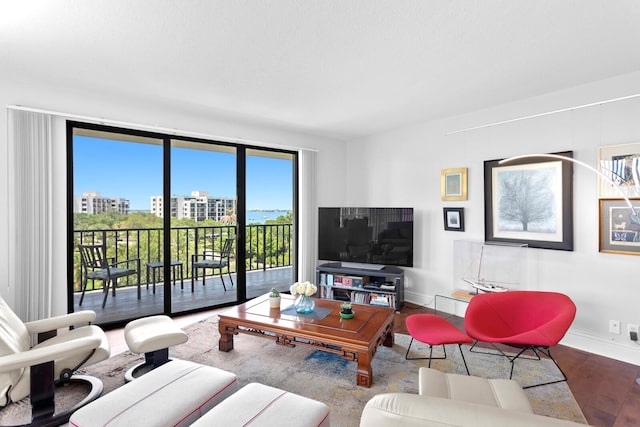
[(380, 300), (359, 297)]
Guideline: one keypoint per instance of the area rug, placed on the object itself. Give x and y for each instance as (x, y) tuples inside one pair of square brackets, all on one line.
[(330, 379)]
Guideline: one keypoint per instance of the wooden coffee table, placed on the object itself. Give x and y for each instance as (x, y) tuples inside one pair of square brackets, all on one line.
[(354, 339)]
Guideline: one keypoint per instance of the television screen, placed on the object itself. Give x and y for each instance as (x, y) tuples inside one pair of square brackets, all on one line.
[(381, 236)]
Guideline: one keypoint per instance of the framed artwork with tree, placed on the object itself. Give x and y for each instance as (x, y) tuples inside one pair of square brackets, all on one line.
[(530, 201)]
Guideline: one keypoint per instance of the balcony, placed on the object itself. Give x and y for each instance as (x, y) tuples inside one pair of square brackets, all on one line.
[(268, 264)]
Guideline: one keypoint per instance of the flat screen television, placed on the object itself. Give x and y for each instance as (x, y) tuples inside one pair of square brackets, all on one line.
[(372, 236)]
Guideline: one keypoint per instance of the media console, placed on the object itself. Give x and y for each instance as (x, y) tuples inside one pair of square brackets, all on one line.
[(382, 287)]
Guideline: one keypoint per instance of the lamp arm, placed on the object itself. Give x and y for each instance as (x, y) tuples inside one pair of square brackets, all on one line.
[(571, 159)]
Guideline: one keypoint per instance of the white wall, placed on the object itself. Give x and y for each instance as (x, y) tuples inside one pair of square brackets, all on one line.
[(403, 167), (47, 95)]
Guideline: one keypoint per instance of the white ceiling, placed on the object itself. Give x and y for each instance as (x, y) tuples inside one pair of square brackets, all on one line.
[(336, 68)]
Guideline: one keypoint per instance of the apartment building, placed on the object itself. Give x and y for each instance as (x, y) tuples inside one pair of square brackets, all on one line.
[(91, 202), (198, 206)]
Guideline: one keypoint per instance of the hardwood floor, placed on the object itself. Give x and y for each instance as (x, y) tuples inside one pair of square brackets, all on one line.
[(605, 389)]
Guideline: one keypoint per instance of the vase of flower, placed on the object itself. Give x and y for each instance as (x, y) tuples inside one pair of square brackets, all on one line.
[(304, 304)]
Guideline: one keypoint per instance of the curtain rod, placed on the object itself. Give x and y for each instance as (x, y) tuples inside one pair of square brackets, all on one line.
[(562, 110), (175, 132)]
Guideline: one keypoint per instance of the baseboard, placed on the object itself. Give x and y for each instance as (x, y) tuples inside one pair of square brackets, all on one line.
[(629, 353), (603, 347)]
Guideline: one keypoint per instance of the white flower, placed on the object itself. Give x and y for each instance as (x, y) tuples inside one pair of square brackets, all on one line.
[(303, 288)]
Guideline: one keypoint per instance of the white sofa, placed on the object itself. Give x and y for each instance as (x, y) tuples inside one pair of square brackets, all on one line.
[(456, 400)]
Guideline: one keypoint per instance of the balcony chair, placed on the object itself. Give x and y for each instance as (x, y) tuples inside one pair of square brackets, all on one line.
[(36, 371), (96, 266), (526, 320), (213, 261)]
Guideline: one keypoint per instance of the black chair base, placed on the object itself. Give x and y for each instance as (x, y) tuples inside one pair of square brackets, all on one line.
[(153, 359), (49, 418), (521, 355)]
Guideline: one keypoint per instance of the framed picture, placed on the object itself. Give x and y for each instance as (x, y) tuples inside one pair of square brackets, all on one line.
[(530, 201), (621, 163), (619, 228), (454, 219), (453, 184)]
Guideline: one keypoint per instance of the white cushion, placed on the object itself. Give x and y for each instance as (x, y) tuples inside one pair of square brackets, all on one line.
[(404, 409), (153, 333), (174, 394), (259, 405), (500, 393)]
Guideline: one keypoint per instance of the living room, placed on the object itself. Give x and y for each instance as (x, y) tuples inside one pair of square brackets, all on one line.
[(581, 88)]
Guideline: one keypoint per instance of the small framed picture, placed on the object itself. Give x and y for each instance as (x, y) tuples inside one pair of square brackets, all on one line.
[(621, 165), (619, 226), (454, 219), (453, 184)]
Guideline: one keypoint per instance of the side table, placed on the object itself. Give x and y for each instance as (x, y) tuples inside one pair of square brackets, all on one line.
[(458, 295), (175, 265)]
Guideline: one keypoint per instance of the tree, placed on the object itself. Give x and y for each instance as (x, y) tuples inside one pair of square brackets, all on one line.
[(526, 197)]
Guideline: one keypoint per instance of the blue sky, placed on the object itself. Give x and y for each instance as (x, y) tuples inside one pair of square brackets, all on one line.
[(134, 171)]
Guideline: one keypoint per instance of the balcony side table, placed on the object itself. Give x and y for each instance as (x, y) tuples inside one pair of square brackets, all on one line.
[(175, 265)]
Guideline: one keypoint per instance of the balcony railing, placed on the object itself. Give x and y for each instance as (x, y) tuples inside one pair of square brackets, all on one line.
[(268, 246)]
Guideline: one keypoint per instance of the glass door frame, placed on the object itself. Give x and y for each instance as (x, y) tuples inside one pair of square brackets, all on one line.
[(241, 153)]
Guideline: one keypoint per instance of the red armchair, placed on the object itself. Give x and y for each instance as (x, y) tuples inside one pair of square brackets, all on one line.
[(527, 320)]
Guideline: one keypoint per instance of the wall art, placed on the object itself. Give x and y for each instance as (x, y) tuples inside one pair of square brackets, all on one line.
[(453, 184), (619, 228), (530, 201)]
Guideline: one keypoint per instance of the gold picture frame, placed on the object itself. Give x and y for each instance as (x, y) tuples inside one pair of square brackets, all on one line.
[(453, 184), (619, 230)]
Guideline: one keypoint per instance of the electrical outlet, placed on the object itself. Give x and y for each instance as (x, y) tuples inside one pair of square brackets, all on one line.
[(633, 331), (614, 327)]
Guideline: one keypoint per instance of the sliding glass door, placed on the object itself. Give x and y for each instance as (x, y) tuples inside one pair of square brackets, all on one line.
[(168, 225), (114, 239), (204, 226), (270, 215)]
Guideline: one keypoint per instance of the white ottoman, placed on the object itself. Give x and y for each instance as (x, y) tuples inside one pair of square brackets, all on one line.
[(174, 394), (263, 406), (152, 336)]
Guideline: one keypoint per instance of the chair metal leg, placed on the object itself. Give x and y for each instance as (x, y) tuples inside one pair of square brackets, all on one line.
[(230, 278), (444, 350), (106, 291), (463, 359), (222, 279), (85, 283), (547, 352), (520, 355)]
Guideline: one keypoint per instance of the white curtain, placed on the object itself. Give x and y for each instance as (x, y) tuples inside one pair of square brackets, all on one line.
[(308, 216), (30, 213)]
